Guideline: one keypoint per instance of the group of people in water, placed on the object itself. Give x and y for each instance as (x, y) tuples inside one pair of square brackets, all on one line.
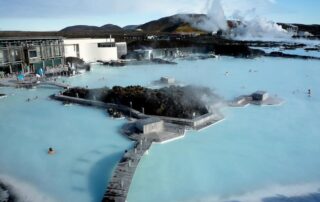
[(308, 92)]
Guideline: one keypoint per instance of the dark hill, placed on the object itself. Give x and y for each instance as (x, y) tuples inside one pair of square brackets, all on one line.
[(173, 23), (79, 28), (179, 23), (130, 27), (84, 28), (111, 27)]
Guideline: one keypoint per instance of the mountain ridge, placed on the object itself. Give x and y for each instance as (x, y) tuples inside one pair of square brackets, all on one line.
[(178, 23)]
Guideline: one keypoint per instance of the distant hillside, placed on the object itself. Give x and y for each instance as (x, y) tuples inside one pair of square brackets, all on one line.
[(111, 27), (172, 24), (79, 28), (130, 27)]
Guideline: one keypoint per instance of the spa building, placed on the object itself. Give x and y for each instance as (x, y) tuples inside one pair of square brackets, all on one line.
[(27, 54)]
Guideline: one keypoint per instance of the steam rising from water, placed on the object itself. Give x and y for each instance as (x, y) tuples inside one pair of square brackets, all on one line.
[(271, 193), (256, 28), (23, 191), (214, 21), (213, 101), (4, 196), (260, 28)]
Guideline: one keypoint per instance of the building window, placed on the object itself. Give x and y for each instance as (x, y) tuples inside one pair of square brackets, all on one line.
[(5, 56), (33, 54), (16, 55), (106, 45)]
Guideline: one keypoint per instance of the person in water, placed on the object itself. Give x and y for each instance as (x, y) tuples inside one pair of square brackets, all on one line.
[(51, 151), (309, 92)]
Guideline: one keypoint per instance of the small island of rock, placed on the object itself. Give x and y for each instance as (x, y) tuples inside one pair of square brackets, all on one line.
[(174, 101)]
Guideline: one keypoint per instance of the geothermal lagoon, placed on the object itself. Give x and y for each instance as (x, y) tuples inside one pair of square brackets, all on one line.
[(256, 154)]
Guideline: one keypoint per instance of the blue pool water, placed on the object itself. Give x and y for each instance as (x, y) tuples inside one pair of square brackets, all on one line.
[(255, 154), (86, 141)]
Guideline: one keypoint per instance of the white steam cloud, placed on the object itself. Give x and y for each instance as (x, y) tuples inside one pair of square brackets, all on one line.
[(256, 28), (22, 191), (259, 28), (214, 20), (300, 190)]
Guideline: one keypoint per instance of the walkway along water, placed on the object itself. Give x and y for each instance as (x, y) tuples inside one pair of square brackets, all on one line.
[(9, 82), (119, 184)]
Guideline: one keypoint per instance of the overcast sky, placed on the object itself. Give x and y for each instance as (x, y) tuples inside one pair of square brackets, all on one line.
[(57, 14)]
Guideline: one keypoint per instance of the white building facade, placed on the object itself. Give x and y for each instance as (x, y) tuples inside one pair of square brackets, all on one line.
[(91, 50)]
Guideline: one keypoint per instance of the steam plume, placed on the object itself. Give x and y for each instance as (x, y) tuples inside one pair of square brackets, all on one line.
[(256, 28), (214, 20)]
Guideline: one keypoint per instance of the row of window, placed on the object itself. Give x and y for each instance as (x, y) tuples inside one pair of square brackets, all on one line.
[(16, 54), (106, 45), (45, 52), (12, 55)]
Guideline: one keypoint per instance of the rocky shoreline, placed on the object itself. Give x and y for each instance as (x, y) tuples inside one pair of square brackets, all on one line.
[(173, 101), (291, 56)]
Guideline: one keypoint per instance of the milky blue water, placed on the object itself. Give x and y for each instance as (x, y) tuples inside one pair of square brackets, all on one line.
[(86, 141), (256, 153)]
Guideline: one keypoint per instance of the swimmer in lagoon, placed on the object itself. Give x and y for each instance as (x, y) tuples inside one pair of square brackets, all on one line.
[(51, 151), (309, 92)]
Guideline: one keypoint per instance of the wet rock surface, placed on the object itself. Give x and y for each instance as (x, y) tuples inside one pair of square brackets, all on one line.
[(173, 101), (292, 56)]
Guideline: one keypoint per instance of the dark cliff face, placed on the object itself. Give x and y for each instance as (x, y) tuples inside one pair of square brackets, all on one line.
[(179, 102)]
